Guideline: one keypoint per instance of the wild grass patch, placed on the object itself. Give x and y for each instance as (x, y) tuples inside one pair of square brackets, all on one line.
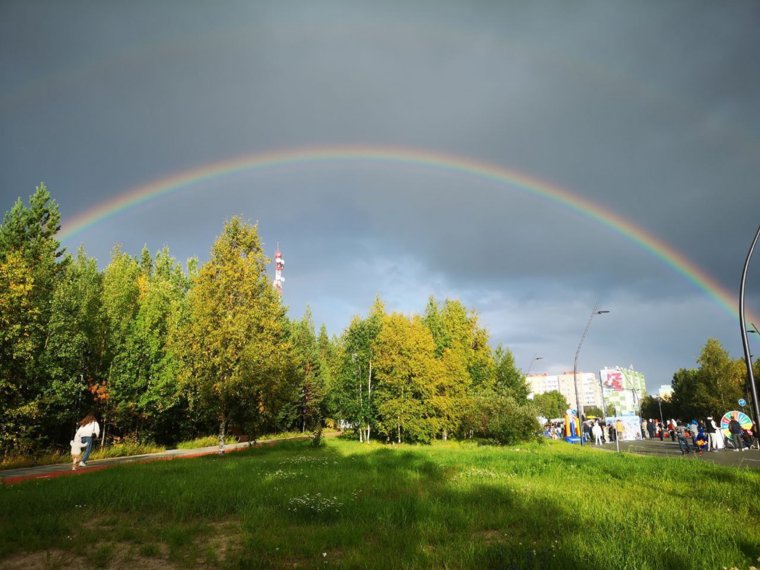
[(373, 506)]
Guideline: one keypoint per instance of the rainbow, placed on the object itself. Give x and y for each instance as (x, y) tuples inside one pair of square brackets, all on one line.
[(415, 157)]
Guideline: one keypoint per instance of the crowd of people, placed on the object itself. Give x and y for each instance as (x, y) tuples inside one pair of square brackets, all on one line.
[(692, 437), (707, 435)]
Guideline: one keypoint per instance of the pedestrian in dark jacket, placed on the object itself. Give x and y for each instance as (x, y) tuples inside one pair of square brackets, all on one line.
[(735, 429)]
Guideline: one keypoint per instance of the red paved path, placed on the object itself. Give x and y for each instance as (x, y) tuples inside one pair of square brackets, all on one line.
[(15, 476)]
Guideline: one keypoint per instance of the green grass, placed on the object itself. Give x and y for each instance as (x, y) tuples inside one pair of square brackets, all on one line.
[(350, 505), (208, 441), (212, 440)]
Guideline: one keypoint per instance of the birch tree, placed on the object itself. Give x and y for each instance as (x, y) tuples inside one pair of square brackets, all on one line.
[(406, 371), (233, 346)]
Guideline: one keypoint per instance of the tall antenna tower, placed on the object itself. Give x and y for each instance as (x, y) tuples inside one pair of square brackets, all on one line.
[(279, 267)]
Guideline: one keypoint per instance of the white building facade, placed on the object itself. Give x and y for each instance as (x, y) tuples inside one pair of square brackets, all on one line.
[(665, 392), (589, 388)]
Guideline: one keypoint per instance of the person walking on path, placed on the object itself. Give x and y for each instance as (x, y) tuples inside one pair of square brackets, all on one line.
[(720, 442), (710, 431), (76, 448), (88, 430), (735, 429), (597, 431), (683, 443)]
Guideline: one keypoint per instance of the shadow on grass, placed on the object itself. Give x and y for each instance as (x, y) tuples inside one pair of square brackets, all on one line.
[(343, 504), (411, 512)]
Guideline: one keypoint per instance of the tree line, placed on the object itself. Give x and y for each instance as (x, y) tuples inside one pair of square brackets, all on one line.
[(712, 389), (164, 353)]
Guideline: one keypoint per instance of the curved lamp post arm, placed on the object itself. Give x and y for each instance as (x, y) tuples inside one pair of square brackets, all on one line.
[(530, 366), (745, 340)]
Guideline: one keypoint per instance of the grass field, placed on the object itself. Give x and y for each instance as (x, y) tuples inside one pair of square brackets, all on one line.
[(351, 505)]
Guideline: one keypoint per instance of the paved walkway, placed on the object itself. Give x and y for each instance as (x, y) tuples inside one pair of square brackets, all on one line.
[(13, 476), (667, 448)]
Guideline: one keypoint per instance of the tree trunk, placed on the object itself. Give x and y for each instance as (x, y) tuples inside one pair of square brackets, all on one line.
[(445, 434), (222, 425), (369, 395)]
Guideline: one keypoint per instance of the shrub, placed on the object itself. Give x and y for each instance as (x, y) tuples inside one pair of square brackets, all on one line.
[(502, 419)]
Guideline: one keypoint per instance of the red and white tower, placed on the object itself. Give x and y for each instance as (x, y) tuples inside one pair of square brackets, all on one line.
[(279, 267)]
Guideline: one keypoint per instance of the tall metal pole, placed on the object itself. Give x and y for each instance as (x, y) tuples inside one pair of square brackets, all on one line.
[(604, 404), (659, 403), (750, 399), (578, 403), (745, 340)]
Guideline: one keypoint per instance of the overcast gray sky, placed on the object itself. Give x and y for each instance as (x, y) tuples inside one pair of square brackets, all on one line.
[(648, 110)]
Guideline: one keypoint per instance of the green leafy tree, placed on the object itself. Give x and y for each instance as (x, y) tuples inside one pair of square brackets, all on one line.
[(453, 327), (651, 406), (29, 269), (551, 404), (116, 392), (73, 354), (353, 387), (147, 396), (685, 384), (330, 358), (309, 377), (721, 379), (407, 372), (31, 231), (450, 392), (461, 346), (711, 389), (508, 379), (19, 318), (510, 422), (594, 411), (234, 346)]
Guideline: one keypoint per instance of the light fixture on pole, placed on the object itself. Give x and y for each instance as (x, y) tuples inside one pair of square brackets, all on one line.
[(533, 360), (578, 403)]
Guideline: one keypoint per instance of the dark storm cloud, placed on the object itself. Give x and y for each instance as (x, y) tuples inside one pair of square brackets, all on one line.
[(647, 110)]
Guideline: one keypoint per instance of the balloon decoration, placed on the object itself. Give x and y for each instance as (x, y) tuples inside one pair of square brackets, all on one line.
[(572, 427)]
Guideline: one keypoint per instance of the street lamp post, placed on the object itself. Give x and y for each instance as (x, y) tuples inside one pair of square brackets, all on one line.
[(578, 403), (532, 362), (659, 403), (743, 327), (753, 330)]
